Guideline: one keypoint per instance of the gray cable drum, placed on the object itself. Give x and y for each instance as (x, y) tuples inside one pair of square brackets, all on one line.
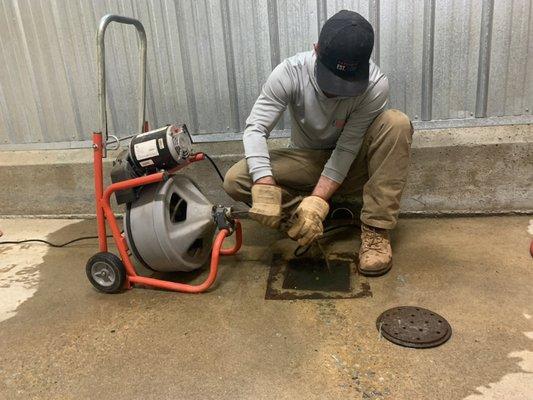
[(171, 227)]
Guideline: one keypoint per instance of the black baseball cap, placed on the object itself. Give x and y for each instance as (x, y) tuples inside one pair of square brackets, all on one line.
[(343, 53)]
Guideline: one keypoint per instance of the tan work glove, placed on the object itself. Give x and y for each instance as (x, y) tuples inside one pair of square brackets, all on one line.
[(309, 216), (266, 205)]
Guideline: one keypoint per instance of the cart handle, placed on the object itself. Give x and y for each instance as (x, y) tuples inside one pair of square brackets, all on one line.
[(100, 55)]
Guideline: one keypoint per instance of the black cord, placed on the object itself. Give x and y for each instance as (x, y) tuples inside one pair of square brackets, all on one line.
[(126, 137), (50, 243), (220, 173), (215, 167), (96, 237)]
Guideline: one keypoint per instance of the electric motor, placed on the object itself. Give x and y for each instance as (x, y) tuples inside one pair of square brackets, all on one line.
[(163, 148)]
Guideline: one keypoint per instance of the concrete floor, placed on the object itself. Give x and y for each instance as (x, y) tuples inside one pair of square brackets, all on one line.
[(59, 338)]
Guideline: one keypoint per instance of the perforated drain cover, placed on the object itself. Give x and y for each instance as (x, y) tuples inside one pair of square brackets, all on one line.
[(413, 327)]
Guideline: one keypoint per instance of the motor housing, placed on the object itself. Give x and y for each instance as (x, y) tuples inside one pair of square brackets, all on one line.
[(123, 170), (159, 149), (163, 148)]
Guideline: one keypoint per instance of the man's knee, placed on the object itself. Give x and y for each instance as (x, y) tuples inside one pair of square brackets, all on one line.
[(235, 179), (230, 181), (396, 123)]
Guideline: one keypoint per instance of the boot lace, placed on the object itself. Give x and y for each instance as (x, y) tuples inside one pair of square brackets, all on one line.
[(372, 240)]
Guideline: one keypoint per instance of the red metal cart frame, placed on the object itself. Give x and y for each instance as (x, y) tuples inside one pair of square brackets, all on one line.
[(104, 211)]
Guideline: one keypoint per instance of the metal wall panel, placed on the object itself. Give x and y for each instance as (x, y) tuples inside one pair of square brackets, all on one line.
[(209, 58), (401, 33), (298, 26), (511, 67), (457, 27), (248, 22), (360, 6)]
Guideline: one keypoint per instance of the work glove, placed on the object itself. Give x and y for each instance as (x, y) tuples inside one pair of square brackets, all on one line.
[(308, 219), (266, 205)]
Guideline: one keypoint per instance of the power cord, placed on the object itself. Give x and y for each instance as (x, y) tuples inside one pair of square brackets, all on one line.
[(215, 167), (50, 243), (220, 173), (55, 245)]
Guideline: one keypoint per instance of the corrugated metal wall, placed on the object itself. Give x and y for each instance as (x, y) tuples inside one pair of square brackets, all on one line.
[(446, 59)]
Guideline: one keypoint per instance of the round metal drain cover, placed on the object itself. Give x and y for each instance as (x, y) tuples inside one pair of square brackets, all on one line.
[(413, 327)]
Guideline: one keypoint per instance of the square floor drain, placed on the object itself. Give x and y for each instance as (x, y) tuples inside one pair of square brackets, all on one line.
[(314, 278), (308, 273)]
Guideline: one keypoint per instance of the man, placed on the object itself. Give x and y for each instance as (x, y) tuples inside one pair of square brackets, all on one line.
[(343, 141)]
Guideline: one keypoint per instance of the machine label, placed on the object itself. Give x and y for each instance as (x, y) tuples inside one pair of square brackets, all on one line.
[(146, 149), (146, 163)]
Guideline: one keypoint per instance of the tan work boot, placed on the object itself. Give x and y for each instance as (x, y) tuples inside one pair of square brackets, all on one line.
[(375, 254)]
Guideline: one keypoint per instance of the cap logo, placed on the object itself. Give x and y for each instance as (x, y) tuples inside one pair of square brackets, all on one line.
[(346, 67)]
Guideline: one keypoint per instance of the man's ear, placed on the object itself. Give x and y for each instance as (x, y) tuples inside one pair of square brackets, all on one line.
[(315, 46)]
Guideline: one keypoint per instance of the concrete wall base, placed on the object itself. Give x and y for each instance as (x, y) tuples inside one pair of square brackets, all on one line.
[(484, 170)]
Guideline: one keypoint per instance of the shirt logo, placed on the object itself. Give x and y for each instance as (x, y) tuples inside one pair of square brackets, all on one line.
[(339, 123)]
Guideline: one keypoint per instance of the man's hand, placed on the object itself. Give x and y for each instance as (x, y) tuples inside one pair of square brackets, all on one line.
[(309, 216), (266, 202)]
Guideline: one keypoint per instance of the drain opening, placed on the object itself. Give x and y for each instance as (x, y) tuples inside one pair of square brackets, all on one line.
[(313, 274), (305, 278)]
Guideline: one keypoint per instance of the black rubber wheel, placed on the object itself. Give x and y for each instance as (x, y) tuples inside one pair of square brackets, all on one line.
[(106, 272)]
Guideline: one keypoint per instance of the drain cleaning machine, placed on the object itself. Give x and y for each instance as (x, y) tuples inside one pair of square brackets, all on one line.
[(169, 225)]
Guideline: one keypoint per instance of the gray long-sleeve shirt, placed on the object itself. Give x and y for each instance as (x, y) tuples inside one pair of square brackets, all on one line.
[(317, 122)]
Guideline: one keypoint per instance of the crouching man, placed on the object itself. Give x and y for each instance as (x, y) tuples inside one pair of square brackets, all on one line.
[(343, 141)]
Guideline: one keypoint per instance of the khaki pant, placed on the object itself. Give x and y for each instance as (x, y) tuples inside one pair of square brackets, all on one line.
[(377, 176)]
